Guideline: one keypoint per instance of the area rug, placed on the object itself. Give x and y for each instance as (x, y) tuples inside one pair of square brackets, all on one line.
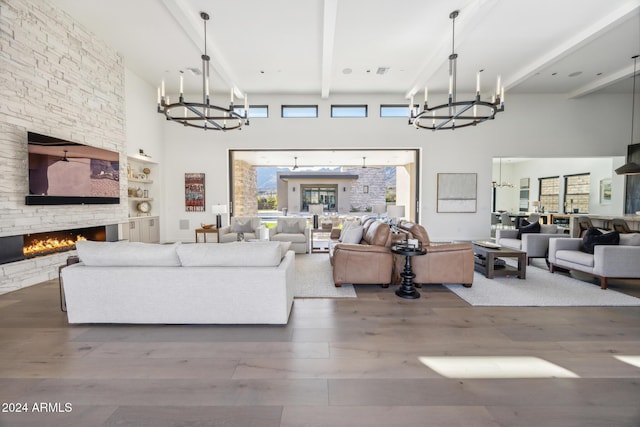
[(314, 278), (539, 289)]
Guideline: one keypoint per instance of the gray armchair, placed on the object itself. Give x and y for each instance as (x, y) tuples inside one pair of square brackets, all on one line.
[(292, 230), (534, 244), (249, 226)]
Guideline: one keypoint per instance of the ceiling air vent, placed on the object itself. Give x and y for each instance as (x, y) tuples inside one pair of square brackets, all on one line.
[(382, 70)]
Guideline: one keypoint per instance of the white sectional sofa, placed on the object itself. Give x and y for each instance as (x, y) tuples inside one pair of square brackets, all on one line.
[(204, 283)]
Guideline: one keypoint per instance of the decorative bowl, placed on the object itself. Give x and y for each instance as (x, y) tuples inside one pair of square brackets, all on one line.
[(206, 226)]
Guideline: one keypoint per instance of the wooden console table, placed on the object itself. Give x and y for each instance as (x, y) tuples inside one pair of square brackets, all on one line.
[(205, 231)]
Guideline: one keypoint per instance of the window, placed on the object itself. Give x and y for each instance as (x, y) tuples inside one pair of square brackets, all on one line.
[(388, 110), (348, 111), (255, 111), (550, 193), (576, 193), (295, 111), (324, 195)]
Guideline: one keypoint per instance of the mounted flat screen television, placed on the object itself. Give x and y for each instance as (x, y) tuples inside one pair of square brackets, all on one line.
[(67, 173)]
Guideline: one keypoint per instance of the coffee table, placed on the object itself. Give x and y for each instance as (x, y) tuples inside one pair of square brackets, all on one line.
[(487, 254)]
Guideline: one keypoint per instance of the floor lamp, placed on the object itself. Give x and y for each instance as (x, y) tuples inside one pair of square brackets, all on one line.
[(219, 210)]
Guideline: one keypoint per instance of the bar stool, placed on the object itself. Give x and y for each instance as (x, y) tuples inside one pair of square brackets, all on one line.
[(584, 223), (621, 226)]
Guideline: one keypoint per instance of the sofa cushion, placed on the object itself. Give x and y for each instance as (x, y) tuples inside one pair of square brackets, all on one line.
[(377, 234), (289, 237), (417, 231), (127, 254), (629, 239), (593, 237), (575, 257), (511, 243), (526, 227), (234, 254), (353, 234)]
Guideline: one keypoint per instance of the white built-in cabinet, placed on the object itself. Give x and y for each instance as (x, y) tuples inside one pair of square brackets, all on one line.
[(143, 225), (144, 229)]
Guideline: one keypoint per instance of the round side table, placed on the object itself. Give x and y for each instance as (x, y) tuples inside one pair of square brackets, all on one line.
[(407, 289)]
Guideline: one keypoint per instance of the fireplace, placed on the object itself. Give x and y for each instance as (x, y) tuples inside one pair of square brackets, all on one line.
[(17, 248)]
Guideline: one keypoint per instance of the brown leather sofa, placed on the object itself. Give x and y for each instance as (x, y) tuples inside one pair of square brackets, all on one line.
[(443, 263), (369, 262)]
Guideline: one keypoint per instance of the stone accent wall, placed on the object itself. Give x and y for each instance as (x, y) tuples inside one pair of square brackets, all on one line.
[(245, 189), (57, 79), (375, 179)]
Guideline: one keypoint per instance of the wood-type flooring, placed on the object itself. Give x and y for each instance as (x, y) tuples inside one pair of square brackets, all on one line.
[(339, 362)]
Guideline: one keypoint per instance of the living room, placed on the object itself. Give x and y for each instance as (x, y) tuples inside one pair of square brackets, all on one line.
[(63, 80)]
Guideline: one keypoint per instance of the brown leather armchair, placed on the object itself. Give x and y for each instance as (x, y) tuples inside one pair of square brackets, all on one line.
[(443, 263), (369, 262)]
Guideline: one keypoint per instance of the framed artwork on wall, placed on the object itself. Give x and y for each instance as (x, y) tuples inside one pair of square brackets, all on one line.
[(194, 192), (457, 192), (605, 191)]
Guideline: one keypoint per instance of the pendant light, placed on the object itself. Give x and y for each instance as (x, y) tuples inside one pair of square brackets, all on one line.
[(631, 168)]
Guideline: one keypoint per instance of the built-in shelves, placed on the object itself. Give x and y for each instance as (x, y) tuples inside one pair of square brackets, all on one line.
[(140, 191), (142, 181)]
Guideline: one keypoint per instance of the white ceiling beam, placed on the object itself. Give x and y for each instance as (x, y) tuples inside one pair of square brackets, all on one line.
[(610, 21), (328, 38), (603, 82), (191, 23), (470, 17)]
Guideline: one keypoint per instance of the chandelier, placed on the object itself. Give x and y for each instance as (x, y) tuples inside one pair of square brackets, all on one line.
[(501, 183), (456, 114), (203, 115)]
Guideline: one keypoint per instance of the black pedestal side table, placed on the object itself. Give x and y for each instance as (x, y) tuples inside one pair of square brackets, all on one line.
[(407, 289)]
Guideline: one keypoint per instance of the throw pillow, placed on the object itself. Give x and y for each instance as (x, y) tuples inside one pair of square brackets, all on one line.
[(594, 237), (291, 226), (353, 234), (241, 227), (525, 227), (346, 226)]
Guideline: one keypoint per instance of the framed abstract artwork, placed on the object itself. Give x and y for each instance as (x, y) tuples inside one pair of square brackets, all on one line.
[(194, 192), (457, 192)]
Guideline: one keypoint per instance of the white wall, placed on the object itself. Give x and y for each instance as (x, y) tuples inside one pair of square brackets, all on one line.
[(531, 126)]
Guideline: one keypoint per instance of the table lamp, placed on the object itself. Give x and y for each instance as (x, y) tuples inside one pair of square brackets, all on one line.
[(394, 212), (316, 210), (379, 209), (219, 210)]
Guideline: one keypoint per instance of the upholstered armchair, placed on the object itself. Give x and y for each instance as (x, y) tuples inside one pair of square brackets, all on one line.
[(249, 226), (292, 230), (536, 245), (443, 263)]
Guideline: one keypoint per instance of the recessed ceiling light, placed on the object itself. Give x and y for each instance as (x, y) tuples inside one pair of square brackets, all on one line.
[(575, 74), (195, 71), (347, 71), (554, 74), (382, 70)]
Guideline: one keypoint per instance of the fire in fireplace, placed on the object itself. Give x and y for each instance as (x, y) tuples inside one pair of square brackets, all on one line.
[(16, 248)]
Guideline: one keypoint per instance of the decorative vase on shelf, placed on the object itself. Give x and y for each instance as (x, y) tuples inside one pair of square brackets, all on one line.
[(139, 192)]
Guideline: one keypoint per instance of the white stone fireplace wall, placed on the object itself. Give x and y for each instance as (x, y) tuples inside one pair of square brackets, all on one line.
[(59, 80)]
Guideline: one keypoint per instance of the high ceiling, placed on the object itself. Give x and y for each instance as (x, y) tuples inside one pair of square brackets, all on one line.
[(325, 47)]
